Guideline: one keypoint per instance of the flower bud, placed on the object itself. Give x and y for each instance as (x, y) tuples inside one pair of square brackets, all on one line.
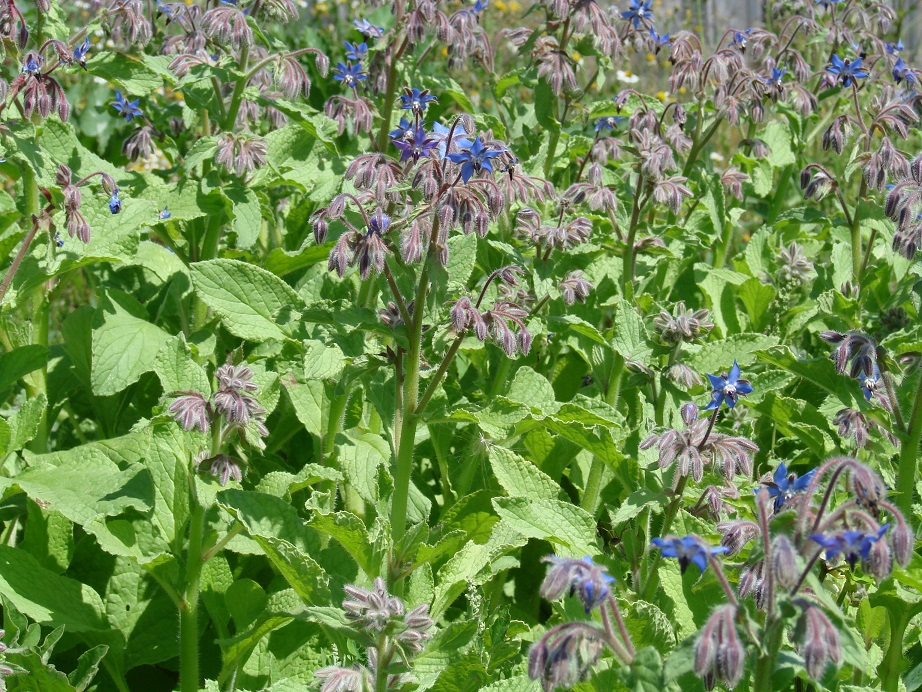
[(784, 562), (689, 413), (903, 541)]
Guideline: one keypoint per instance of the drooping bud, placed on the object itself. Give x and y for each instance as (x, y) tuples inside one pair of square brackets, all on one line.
[(784, 562)]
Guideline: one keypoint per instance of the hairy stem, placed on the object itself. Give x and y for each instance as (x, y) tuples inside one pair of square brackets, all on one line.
[(188, 612)]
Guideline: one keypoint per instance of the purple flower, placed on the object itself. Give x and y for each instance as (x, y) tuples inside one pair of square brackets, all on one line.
[(727, 388), (80, 52), (847, 71), (356, 51), (638, 12), (416, 101), (474, 158), (785, 485), (349, 74), (419, 146), (129, 109), (379, 223), (115, 204), (902, 71), (852, 545), (367, 28), (689, 549)]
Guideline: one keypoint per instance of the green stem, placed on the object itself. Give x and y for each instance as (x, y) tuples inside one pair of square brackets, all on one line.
[(765, 664), (590, 499), (410, 418), (720, 256), (909, 452), (338, 403), (390, 93), (627, 272), (857, 254), (188, 612), (699, 145), (239, 87), (894, 661)]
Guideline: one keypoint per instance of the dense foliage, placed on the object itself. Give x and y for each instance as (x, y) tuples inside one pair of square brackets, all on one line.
[(458, 345)]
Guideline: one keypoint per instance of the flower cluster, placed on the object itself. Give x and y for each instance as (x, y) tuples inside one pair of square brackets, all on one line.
[(231, 408), (74, 220)]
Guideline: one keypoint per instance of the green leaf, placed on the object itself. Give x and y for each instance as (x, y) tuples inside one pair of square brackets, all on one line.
[(46, 597), (757, 297), (253, 304), (245, 214), (532, 389), (280, 532), (351, 533), (50, 538), (520, 477), (125, 344), (137, 76), (177, 370), (20, 362), (716, 356), (87, 667), (629, 335), (322, 361), (645, 674), (561, 523), (462, 256)]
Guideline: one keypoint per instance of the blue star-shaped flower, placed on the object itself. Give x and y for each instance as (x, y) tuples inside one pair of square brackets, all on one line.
[(659, 42), (869, 384), (852, 545), (785, 485), (125, 108), (474, 158), (440, 133), (480, 6), (894, 48), (416, 101), (608, 122), (902, 71), (367, 28), (115, 204), (405, 127), (33, 64), (826, 3), (688, 550), (740, 38), (349, 74), (638, 12), (848, 71), (80, 52), (777, 75), (164, 214), (356, 51), (419, 146), (727, 388)]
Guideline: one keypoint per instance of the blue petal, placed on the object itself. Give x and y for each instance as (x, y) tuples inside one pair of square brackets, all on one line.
[(734, 373), (744, 387), (717, 382)]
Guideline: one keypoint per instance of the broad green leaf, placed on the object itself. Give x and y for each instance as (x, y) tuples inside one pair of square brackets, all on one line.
[(717, 356), (286, 541), (532, 389), (20, 362), (757, 297), (47, 597), (520, 477), (49, 538), (253, 304), (87, 667), (629, 336), (322, 361), (177, 370), (125, 343), (570, 527), (136, 76), (462, 255), (351, 533), (245, 213)]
